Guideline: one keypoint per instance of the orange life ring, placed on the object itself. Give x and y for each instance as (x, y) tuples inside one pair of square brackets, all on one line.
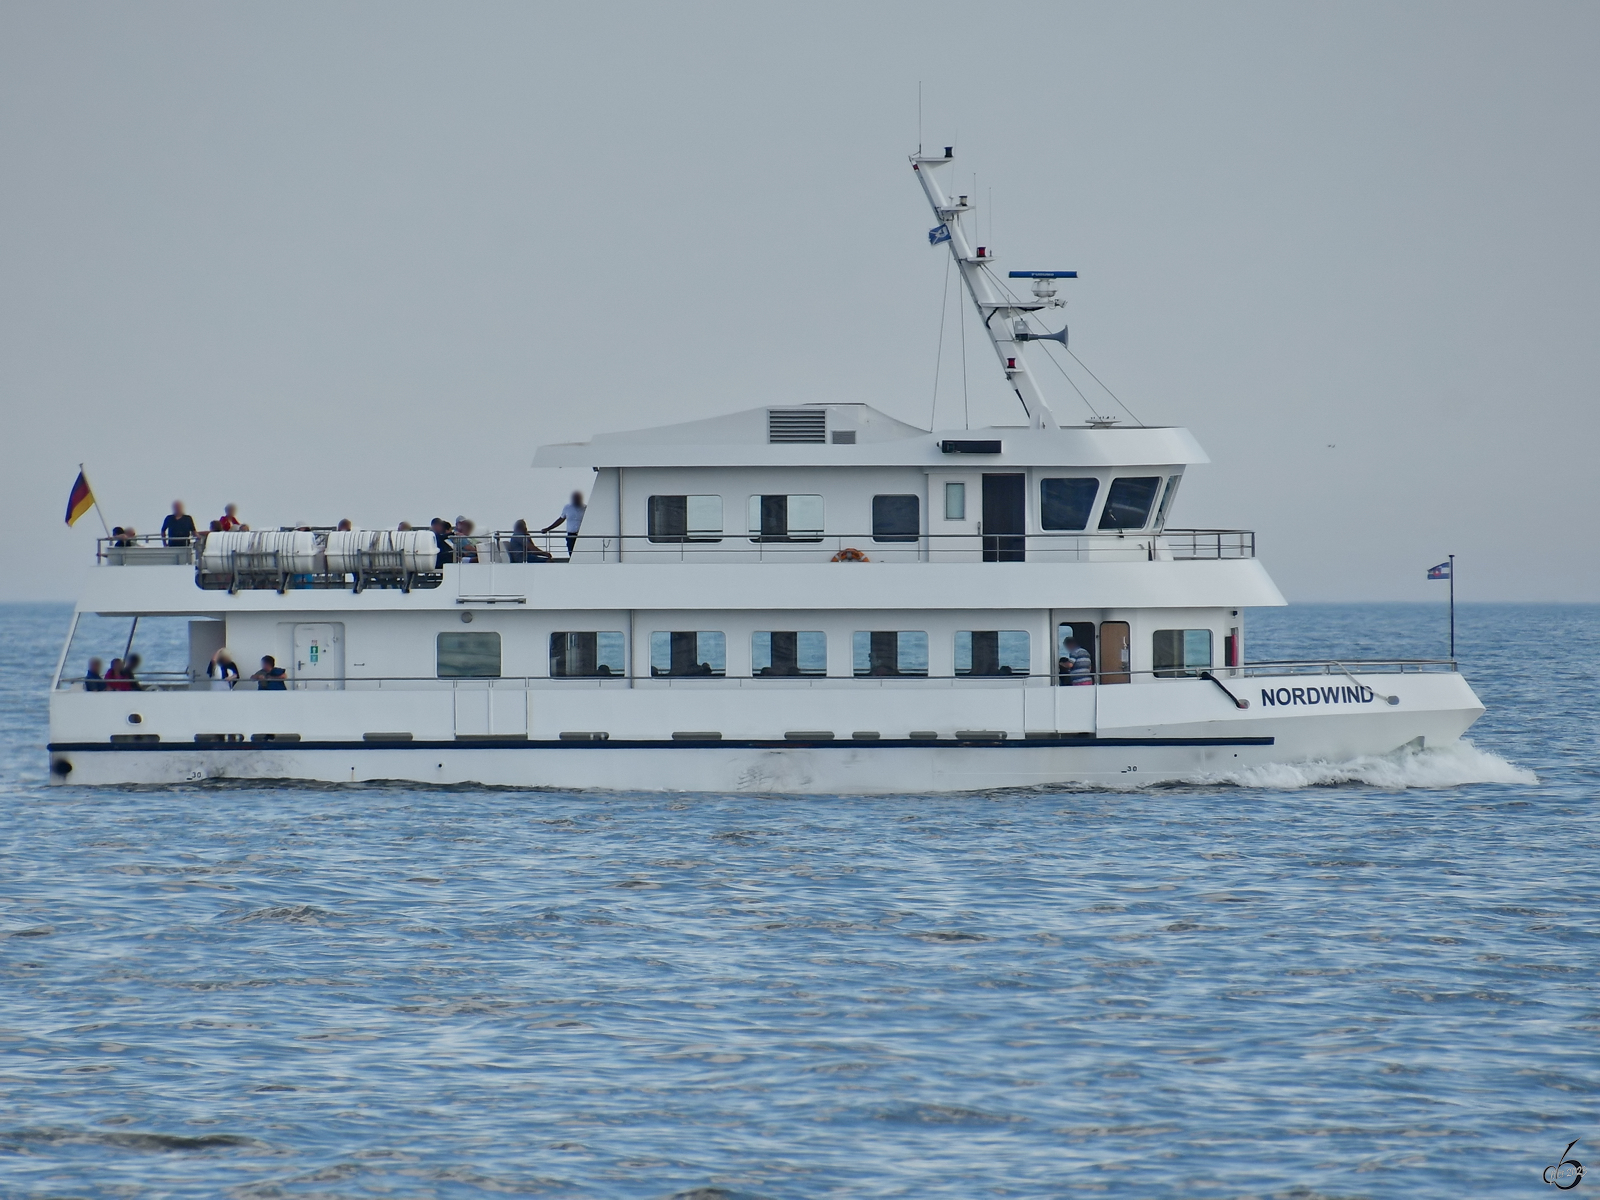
[(849, 554)]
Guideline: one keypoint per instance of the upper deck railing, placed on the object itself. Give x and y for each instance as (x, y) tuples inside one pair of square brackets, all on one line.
[(290, 558)]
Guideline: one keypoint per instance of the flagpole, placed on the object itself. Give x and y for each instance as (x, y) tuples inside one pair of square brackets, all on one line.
[(1452, 607), (96, 500)]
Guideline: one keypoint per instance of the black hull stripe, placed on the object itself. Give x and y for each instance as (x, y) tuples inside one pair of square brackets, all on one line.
[(509, 744)]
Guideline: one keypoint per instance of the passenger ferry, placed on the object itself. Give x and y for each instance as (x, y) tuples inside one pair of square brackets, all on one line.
[(818, 598)]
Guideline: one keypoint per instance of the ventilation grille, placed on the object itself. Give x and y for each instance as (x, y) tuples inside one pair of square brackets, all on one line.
[(797, 425)]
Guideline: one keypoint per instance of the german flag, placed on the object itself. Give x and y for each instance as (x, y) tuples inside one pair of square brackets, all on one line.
[(81, 500)]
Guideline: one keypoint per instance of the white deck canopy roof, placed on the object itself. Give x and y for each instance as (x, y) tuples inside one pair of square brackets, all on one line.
[(872, 438)]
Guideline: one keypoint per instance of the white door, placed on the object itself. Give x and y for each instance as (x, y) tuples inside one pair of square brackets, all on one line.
[(318, 657)]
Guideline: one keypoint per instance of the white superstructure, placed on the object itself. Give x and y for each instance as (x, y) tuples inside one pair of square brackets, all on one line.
[(813, 598)]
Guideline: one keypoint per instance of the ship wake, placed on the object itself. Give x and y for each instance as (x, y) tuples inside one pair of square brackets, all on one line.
[(1455, 765)]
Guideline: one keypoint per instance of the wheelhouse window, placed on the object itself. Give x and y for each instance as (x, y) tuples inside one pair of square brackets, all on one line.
[(1166, 499), (889, 652), (955, 502), (583, 655), (468, 656), (791, 652), (786, 518), (1129, 501), (896, 518), (685, 519), (1066, 503), (688, 653), (1177, 653), (992, 652)]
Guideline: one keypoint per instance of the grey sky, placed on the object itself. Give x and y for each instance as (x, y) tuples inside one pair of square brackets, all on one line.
[(360, 259)]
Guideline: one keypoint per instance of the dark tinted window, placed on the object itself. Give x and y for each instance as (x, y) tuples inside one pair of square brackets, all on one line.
[(1128, 502), (688, 653), (584, 654), (1175, 653), (469, 656), (1066, 503), (896, 518), (992, 652), (889, 652), (779, 653), (684, 518)]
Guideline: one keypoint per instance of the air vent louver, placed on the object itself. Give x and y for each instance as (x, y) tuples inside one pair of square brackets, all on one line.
[(788, 425)]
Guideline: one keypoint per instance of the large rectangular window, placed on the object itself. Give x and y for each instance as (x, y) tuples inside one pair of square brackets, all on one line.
[(889, 652), (1066, 503), (896, 518), (992, 652), (685, 518), (468, 656), (1128, 502), (1176, 653), (583, 655), (786, 518), (688, 653), (802, 652)]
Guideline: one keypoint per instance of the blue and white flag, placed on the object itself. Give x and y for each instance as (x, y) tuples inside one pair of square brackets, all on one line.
[(1442, 571), (939, 233)]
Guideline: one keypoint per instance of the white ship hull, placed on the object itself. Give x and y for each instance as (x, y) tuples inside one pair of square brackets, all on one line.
[(1197, 733)]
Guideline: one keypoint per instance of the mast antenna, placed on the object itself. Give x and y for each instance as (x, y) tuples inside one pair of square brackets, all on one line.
[(1001, 314)]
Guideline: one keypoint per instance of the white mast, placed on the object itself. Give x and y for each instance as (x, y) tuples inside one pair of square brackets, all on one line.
[(1002, 318)]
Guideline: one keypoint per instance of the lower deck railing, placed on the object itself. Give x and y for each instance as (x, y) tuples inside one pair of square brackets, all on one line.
[(170, 681)]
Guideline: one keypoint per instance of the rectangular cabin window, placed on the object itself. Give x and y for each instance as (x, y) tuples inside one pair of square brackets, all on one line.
[(691, 653), (1176, 653), (1166, 499), (585, 655), (468, 656), (685, 518), (896, 518), (1066, 503), (780, 653), (785, 518), (889, 652), (955, 502), (1129, 501), (992, 652)]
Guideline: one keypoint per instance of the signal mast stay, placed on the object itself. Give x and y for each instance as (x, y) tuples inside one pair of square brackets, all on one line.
[(1003, 317)]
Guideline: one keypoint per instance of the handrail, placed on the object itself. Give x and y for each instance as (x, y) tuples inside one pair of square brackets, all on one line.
[(511, 546), (180, 680)]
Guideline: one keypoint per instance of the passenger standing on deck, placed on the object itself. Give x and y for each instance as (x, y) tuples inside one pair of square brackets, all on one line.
[(223, 671), (93, 681), (270, 677), (229, 521), (1079, 670), (572, 514), (466, 548), (441, 540), (178, 528)]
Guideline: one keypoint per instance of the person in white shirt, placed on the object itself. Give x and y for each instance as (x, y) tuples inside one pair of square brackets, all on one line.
[(572, 514)]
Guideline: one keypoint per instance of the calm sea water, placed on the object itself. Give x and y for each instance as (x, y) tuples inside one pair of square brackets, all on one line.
[(1369, 979)]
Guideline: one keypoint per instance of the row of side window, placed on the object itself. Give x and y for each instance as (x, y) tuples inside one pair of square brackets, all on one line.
[(1065, 505), (773, 653), (1175, 653), (786, 518)]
